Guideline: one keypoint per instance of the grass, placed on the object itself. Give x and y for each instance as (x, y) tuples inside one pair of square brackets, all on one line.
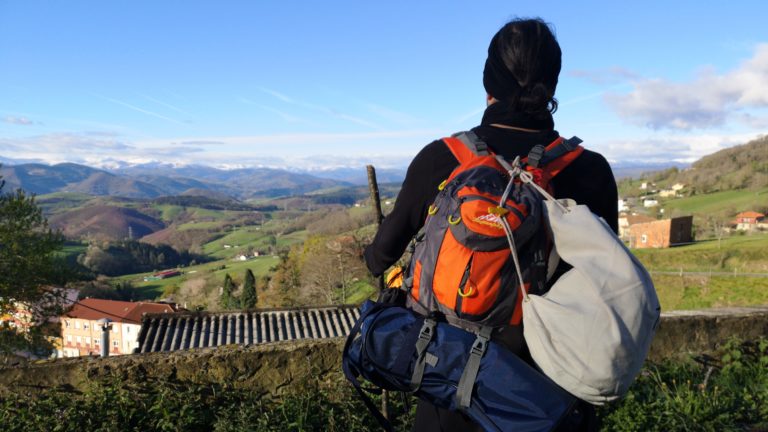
[(211, 273), (734, 255), (744, 254), (359, 292), (62, 201), (700, 292), (731, 201), (169, 212), (727, 392), (202, 225)]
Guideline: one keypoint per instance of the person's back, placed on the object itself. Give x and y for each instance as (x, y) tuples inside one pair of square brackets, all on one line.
[(520, 78)]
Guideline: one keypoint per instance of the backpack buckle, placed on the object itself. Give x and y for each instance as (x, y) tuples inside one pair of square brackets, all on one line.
[(535, 155), (427, 329), (479, 347)]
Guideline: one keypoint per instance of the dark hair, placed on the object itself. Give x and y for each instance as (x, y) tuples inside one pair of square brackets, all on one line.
[(523, 65)]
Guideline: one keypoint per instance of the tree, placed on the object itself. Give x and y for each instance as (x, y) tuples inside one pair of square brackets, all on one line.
[(29, 266), (227, 300), (248, 298)]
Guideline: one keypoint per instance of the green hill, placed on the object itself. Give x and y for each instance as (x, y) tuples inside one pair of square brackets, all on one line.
[(741, 167)]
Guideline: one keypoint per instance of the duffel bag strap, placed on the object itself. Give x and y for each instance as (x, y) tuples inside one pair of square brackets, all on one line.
[(469, 376), (425, 336), (352, 374)]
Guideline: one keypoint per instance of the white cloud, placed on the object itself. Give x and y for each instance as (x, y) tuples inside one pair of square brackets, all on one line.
[(21, 121), (709, 101), (668, 147), (304, 151)]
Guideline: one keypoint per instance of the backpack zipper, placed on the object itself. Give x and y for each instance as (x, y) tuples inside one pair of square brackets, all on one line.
[(462, 285)]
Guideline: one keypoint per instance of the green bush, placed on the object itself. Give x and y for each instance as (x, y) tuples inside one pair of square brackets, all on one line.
[(725, 394)]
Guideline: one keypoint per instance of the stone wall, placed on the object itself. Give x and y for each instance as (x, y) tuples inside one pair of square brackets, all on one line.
[(274, 368)]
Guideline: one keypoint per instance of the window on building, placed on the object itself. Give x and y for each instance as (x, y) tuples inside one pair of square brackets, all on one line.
[(69, 338), (79, 339), (77, 324), (96, 341), (85, 326), (87, 340), (127, 329), (644, 238), (115, 343), (66, 323)]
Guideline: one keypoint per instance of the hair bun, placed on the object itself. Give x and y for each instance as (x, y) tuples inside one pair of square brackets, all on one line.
[(537, 98)]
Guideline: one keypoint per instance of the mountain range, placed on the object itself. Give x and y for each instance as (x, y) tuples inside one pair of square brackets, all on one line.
[(153, 180)]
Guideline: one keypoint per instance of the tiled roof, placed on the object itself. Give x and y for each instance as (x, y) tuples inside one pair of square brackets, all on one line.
[(638, 218), (181, 331), (117, 311), (750, 214)]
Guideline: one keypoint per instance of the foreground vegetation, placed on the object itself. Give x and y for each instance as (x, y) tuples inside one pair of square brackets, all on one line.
[(728, 392)]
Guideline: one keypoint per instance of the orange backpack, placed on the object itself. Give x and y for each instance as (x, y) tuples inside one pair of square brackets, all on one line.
[(463, 267)]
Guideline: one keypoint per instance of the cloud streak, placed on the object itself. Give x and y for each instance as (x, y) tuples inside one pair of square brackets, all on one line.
[(138, 109), (709, 101), (321, 109), (167, 105)]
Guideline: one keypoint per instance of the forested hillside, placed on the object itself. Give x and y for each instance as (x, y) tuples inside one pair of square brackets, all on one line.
[(741, 167)]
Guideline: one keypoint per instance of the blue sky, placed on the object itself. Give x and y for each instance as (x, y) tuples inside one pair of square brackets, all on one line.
[(318, 84)]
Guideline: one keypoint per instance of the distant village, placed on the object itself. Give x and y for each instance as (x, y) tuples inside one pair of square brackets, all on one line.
[(639, 230)]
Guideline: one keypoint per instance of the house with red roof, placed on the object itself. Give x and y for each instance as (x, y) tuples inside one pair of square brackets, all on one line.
[(81, 331), (749, 220)]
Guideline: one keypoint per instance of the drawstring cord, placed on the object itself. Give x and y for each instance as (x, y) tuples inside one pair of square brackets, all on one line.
[(515, 171)]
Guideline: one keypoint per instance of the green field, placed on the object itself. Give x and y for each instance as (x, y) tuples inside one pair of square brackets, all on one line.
[(731, 202), (734, 255), (740, 254), (169, 212), (209, 276)]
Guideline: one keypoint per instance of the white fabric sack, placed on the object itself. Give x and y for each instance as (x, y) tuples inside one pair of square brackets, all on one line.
[(591, 332)]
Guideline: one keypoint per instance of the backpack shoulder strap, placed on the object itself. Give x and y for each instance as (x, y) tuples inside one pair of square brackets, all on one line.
[(559, 157), (466, 145), (556, 156)]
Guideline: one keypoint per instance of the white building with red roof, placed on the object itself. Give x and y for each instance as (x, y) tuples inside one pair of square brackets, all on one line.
[(81, 331), (749, 220)]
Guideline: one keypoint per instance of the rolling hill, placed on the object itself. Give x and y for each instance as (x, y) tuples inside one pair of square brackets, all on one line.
[(104, 222), (741, 167)]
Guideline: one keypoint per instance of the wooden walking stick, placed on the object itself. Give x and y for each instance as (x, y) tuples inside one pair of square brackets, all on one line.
[(373, 186)]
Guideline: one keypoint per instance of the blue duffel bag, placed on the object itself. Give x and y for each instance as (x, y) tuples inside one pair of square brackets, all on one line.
[(397, 349)]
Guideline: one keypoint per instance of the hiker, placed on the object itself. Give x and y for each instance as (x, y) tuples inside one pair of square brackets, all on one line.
[(520, 78)]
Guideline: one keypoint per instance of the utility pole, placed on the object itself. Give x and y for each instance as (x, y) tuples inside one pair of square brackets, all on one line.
[(106, 326), (373, 186)]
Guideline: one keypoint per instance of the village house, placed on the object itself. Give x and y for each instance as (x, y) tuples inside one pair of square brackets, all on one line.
[(662, 233), (623, 205), (627, 220), (81, 331), (667, 193), (162, 275), (749, 220), (21, 315), (650, 203)]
